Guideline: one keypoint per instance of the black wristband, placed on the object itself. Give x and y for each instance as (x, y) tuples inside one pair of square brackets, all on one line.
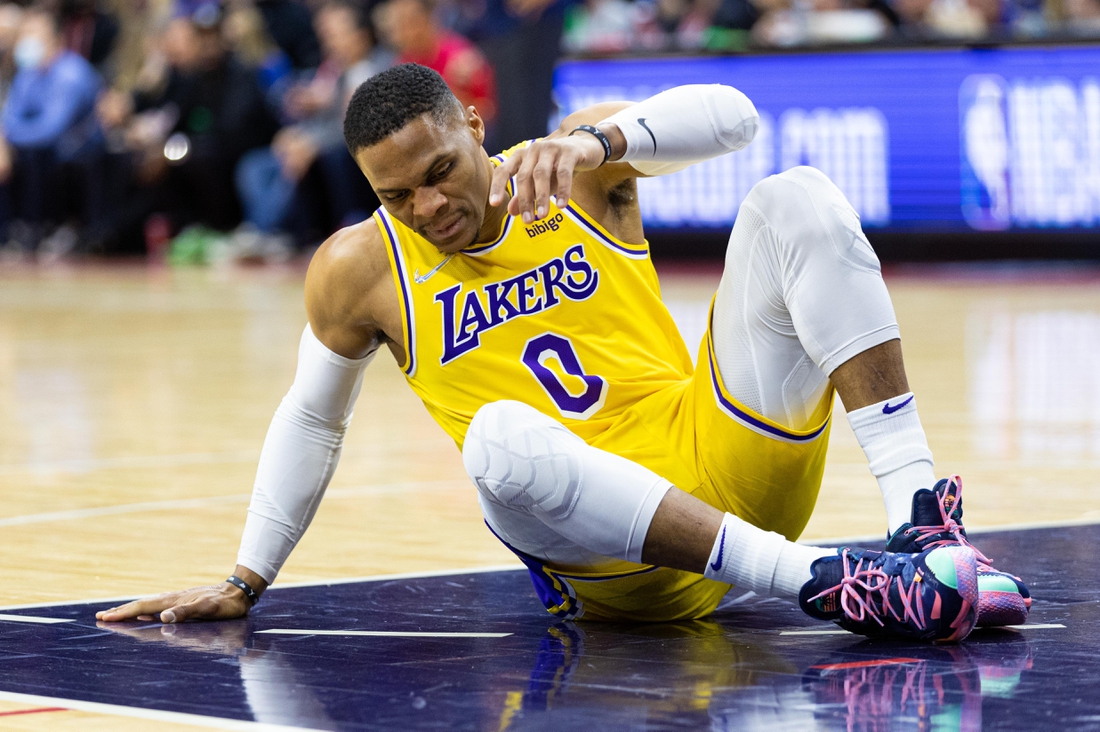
[(599, 136), (244, 587)]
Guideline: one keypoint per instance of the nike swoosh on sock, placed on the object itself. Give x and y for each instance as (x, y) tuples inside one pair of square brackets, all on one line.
[(888, 409), (717, 563)]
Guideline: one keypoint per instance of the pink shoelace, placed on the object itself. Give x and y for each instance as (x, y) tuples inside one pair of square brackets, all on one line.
[(860, 586), (949, 525)]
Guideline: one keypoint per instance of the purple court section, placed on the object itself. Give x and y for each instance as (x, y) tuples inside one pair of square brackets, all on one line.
[(733, 671)]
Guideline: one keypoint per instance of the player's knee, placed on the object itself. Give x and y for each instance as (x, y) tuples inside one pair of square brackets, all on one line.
[(520, 457), (777, 195), (488, 429), (812, 219)]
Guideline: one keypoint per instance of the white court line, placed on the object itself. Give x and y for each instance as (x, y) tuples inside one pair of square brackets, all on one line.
[(381, 633), (186, 503), (131, 461), (841, 631), (33, 619), (155, 715), (1034, 626), (311, 583)]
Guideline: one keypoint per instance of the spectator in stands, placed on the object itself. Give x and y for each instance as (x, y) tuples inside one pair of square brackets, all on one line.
[(604, 26), (716, 25), (11, 19), (1082, 17), (307, 162), (414, 33), (254, 47), (522, 40), (927, 19), (188, 132), (825, 22), (52, 145), (89, 31), (291, 27)]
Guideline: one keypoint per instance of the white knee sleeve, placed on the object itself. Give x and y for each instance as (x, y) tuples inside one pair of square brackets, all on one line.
[(802, 293), (522, 459)]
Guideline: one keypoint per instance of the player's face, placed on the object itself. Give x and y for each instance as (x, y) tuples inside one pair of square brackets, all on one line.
[(434, 178)]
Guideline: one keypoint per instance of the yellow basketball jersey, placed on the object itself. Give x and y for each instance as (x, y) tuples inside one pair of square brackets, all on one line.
[(564, 317), (557, 314)]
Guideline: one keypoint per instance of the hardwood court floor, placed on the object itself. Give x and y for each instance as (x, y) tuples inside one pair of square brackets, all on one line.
[(134, 401), (133, 404)]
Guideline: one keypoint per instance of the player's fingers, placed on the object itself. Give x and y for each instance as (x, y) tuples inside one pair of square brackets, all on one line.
[(498, 189), (523, 196), (564, 175), (132, 610), (541, 177), (202, 608)]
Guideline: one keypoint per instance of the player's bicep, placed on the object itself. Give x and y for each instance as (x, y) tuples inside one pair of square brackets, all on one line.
[(588, 116), (342, 292)]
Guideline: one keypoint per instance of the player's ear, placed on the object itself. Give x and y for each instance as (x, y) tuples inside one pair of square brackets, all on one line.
[(475, 124)]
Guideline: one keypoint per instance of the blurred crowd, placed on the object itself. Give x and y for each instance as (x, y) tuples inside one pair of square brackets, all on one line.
[(213, 128), (207, 128), (618, 26)]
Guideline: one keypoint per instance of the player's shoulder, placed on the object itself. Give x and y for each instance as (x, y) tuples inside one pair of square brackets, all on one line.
[(352, 256), (347, 276)]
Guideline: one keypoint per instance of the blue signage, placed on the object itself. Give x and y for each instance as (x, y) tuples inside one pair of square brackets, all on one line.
[(936, 139)]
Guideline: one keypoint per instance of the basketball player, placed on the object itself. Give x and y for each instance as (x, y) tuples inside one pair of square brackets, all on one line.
[(517, 294)]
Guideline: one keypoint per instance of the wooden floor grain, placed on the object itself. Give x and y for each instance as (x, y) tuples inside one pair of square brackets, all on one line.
[(133, 404)]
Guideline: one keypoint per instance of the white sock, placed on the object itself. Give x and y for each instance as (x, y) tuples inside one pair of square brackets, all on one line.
[(897, 452), (761, 561)]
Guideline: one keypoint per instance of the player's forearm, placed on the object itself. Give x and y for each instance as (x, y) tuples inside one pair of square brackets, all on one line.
[(253, 580), (300, 454), (684, 125)]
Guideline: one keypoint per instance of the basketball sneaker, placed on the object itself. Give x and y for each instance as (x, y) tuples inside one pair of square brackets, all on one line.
[(1003, 599), (931, 596)]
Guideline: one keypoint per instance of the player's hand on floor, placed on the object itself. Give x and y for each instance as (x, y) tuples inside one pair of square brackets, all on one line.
[(542, 169), (215, 602)]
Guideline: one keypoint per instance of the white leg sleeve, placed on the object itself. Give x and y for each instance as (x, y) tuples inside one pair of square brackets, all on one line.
[(802, 293), (550, 495), (300, 454)]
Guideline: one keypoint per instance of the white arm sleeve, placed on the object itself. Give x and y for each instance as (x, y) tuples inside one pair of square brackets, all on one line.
[(685, 125), (300, 454)]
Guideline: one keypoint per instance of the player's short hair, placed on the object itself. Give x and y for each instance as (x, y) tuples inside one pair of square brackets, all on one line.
[(387, 102)]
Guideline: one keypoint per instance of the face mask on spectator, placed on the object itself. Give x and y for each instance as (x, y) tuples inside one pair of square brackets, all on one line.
[(29, 53)]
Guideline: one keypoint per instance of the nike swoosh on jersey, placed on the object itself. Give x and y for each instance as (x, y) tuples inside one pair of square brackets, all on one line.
[(717, 563), (421, 279), (887, 409)]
